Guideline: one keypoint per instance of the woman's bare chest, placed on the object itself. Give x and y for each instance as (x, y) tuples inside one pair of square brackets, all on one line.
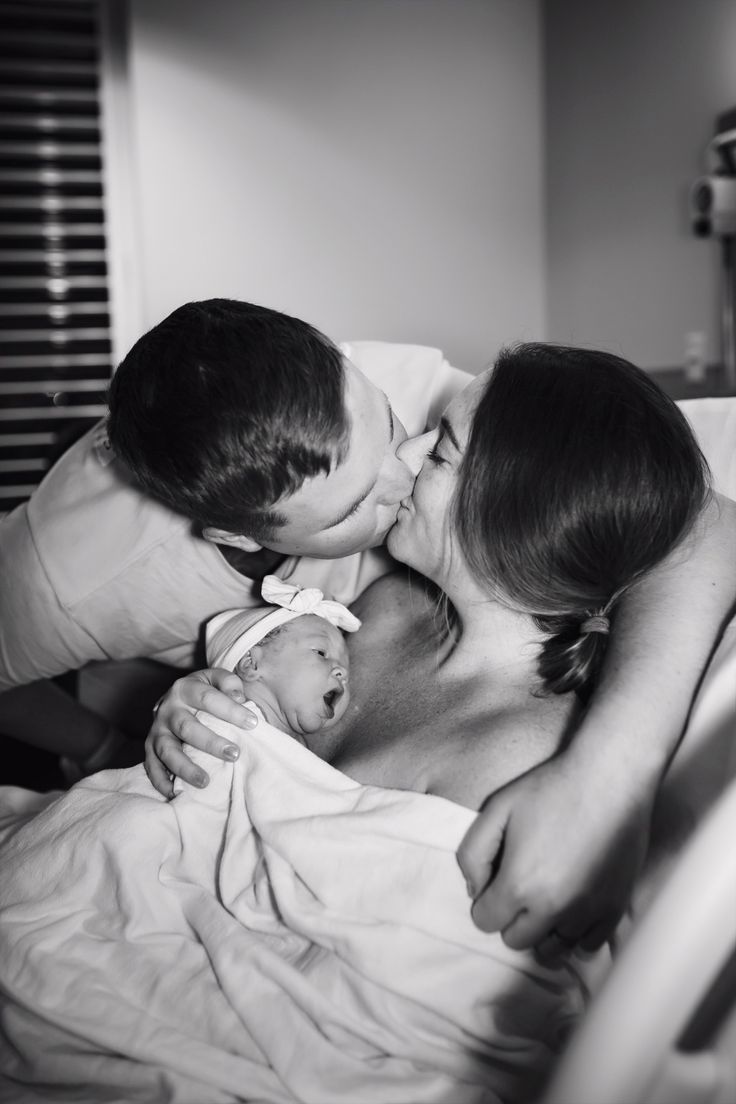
[(394, 695), (408, 726), (412, 725)]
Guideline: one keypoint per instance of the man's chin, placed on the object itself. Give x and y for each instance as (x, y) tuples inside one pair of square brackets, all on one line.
[(391, 540), (382, 538)]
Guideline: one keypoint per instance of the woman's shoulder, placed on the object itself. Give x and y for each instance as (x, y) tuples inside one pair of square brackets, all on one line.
[(401, 594), (491, 747)]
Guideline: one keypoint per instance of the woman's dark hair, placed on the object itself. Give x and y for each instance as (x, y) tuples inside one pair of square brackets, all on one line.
[(580, 475), (225, 407)]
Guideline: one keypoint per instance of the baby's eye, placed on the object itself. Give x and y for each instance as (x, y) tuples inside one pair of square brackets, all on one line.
[(321, 652)]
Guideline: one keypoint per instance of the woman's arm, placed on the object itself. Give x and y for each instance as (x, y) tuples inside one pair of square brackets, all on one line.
[(559, 848)]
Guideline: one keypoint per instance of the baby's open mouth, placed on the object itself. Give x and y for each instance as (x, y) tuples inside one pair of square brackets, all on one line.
[(330, 698)]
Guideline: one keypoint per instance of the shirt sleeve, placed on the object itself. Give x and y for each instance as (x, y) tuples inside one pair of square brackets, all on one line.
[(38, 637)]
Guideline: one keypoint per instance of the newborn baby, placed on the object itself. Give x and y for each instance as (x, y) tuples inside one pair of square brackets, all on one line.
[(290, 656)]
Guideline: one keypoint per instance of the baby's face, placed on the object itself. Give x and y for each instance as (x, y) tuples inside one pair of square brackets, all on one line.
[(305, 666)]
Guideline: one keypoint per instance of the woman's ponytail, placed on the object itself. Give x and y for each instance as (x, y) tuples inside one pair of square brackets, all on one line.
[(573, 655)]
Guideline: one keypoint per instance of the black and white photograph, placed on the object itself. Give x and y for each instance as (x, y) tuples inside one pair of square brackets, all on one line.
[(367, 551)]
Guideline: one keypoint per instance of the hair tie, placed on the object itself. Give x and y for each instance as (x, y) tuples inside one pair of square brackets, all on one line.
[(597, 624)]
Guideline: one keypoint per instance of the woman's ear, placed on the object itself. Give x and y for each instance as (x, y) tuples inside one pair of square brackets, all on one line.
[(234, 540)]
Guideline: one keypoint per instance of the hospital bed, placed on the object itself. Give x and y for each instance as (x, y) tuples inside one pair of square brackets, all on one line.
[(662, 1029)]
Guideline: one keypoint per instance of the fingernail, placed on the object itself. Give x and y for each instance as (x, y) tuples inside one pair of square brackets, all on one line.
[(470, 889), (231, 752), (237, 695), (201, 780)]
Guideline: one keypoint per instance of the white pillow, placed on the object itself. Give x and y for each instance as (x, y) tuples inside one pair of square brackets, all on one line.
[(714, 423), (705, 761)]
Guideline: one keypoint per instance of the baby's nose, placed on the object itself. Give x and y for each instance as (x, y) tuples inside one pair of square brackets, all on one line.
[(340, 672)]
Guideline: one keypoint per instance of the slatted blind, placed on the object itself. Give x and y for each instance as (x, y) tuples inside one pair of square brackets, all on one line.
[(55, 349)]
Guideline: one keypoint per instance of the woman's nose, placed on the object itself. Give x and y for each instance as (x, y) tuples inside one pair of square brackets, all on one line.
[(413, 451)]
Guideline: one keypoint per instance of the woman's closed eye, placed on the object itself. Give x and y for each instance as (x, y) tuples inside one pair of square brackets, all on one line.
[(433, 455), (444, 432)]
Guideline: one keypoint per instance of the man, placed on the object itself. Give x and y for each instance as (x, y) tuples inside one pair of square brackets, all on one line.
[(257, 429), (95, 571)]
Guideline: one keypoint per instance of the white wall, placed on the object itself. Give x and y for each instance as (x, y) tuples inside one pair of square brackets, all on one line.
[(632, 91), (373, 166)]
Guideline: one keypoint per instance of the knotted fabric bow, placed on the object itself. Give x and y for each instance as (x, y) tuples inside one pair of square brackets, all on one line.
[(299, 600), (233, 633)]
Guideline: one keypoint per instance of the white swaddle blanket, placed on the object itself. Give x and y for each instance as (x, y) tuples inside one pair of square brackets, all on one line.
[(286, 934)]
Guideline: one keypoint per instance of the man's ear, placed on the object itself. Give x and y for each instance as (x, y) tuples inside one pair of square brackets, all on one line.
[(234, 540)]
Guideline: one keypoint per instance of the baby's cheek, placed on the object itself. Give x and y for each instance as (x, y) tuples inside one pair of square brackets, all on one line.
[(343, 704)]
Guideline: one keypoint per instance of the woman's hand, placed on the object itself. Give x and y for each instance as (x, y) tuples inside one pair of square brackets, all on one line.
[(214, 691), (552, 858)]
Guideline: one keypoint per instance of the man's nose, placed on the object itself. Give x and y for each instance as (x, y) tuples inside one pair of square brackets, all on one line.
[(413, 452), (397, 482)]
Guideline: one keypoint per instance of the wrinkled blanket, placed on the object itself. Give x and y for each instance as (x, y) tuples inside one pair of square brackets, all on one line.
[(286, 934)]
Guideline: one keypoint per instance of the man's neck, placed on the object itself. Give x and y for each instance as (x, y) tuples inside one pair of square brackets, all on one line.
[(254, 565)]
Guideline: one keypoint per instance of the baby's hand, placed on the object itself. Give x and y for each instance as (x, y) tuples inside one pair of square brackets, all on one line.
[(214, 691)]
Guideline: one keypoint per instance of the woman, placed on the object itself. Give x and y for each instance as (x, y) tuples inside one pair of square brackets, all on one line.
[(457, 696)]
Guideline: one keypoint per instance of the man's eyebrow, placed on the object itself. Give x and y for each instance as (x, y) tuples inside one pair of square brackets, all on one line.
[(362, 497), (446, 428)]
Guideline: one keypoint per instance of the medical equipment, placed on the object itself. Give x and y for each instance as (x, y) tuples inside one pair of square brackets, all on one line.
[(663, 1028), (713, 214)]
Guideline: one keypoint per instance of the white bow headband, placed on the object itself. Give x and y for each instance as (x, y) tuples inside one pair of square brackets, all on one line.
[(233, 633)]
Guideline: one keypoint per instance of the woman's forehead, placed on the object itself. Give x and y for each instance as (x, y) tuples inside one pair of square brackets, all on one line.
[(461, 411)]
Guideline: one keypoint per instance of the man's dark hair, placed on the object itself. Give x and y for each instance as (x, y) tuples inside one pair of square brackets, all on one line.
[(224, 408)]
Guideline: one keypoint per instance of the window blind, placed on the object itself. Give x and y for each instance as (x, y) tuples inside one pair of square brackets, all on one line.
[(55, 347)]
